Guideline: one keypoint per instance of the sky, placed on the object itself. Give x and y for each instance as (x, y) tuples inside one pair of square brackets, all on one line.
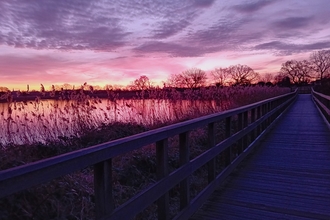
[(115, 42)]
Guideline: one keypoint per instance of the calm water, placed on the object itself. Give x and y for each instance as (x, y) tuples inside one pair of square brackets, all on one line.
[(34, 121)]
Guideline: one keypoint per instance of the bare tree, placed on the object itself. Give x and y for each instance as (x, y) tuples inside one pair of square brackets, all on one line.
[(289, 68), (267, 77), (142, 83), (173, 81), (220, 76), (321, 62), (191, 78), (305, 71), (298, 71), (242, 74)]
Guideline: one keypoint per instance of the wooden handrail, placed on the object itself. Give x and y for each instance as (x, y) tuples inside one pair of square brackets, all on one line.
[(100, 156), (323, 103), (320, 94)]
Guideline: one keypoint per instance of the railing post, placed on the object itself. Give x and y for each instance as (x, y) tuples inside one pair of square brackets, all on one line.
[(269, 108), (103, 188), (275, 113), (258, 117), (253, 119), (227, 152), (245, 124), (162, 171), (240, 146), (184, 158), (211, 143), (263, 109)]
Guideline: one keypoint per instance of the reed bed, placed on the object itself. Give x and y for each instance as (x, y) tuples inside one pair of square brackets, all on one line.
[(44, 121)]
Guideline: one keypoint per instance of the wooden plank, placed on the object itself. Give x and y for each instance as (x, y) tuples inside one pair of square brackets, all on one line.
[(234, 211)]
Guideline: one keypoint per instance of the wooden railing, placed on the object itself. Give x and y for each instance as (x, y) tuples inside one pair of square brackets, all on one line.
[(323, 103), (253, 122)]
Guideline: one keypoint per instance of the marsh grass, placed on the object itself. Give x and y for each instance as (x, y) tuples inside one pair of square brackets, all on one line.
[(79, 112), (85, 120)]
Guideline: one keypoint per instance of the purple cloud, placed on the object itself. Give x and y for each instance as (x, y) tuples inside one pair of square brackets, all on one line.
[(60, 25), (293, 23), (203, 3), (253, 6), (170, 48), (179, 28), (286, 48)]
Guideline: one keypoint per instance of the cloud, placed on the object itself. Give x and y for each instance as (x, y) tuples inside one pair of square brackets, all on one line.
[(252, 7), (293, 23), (195, 43), (218, 34), (288, 49), (170, 48), (60, 25), (172, 26), (120, 39), (203, 3), (167, 29)]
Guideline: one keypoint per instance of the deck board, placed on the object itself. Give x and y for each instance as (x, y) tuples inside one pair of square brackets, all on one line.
[(288, 177)]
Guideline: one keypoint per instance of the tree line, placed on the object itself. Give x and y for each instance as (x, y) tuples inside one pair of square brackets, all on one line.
[(292, 72), (304, 71)]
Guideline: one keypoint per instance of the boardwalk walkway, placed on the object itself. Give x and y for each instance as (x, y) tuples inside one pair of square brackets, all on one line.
[(288, 177)]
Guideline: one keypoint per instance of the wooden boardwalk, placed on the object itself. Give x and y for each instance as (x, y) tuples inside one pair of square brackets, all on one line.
[(288, 177)]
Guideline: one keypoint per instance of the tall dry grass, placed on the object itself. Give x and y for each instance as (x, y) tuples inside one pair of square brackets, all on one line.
[(46, 121)]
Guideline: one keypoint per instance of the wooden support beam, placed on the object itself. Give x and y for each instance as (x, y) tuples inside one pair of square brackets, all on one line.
[(228, 151), (211, 143), (184, 158), (253, 119), (245, 124), (103, 188), (162, 171), (240, 127)]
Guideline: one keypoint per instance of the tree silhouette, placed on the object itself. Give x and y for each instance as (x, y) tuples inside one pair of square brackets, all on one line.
[(191, 78), (242, 74), (321, 62), (298, 71), (220, 76), (142, 83)]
